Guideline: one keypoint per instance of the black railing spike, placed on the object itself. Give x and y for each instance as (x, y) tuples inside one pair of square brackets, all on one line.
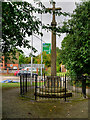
[(36, 87), (20, 85), (65, 87), (54, 86), (23, 85), (26, 82)]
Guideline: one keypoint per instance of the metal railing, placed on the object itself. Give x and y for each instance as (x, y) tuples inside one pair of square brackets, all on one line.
[(55, 87), (51, 87), (78, 84)]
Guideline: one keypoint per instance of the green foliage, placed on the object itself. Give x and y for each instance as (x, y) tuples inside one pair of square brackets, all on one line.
[(75, 46), (17, 22), (47, 71), (24, 60), (58, 62), (58, 55), (27, 60), (46, 59), (21, 59)]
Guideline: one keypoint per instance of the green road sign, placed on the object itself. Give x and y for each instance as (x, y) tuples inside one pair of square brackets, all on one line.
[(47, 47)]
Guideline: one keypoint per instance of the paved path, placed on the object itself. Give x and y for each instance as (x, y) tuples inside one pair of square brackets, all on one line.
[(16, 107)]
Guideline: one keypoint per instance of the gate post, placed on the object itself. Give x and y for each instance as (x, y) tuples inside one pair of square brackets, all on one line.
[(26, 82), (36, 87), (20, 85), (65, 87), (23, 84), (84, 86)]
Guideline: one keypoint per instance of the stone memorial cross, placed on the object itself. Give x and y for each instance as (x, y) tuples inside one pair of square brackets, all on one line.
[(53, 46)]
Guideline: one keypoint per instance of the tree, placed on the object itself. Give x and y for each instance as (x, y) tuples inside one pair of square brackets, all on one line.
[(58, 62), (75, 46), (17, 22), (46, 59), (27, 60), (21, 59)]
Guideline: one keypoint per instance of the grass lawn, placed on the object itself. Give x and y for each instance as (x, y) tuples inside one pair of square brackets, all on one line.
[(14, 85), (61, 73), (58, 74), (38, 83), (9, 85)]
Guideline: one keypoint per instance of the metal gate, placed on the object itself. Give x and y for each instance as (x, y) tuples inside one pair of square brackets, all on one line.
[(27, 85)]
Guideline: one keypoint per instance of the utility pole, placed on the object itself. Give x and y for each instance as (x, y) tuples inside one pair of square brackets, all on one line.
[(53, 45)]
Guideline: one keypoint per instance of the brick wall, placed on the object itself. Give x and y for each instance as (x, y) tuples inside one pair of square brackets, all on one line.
[(13, 65), (2, 62)]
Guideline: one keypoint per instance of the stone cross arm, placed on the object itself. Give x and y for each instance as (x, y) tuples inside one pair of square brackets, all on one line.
[(52, 8)]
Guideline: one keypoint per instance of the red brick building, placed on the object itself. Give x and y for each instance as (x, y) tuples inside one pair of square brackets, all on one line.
[(2, 62), (9, 63)]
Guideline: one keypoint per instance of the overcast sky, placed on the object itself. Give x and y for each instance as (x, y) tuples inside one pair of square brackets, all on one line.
[(67, 6)]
